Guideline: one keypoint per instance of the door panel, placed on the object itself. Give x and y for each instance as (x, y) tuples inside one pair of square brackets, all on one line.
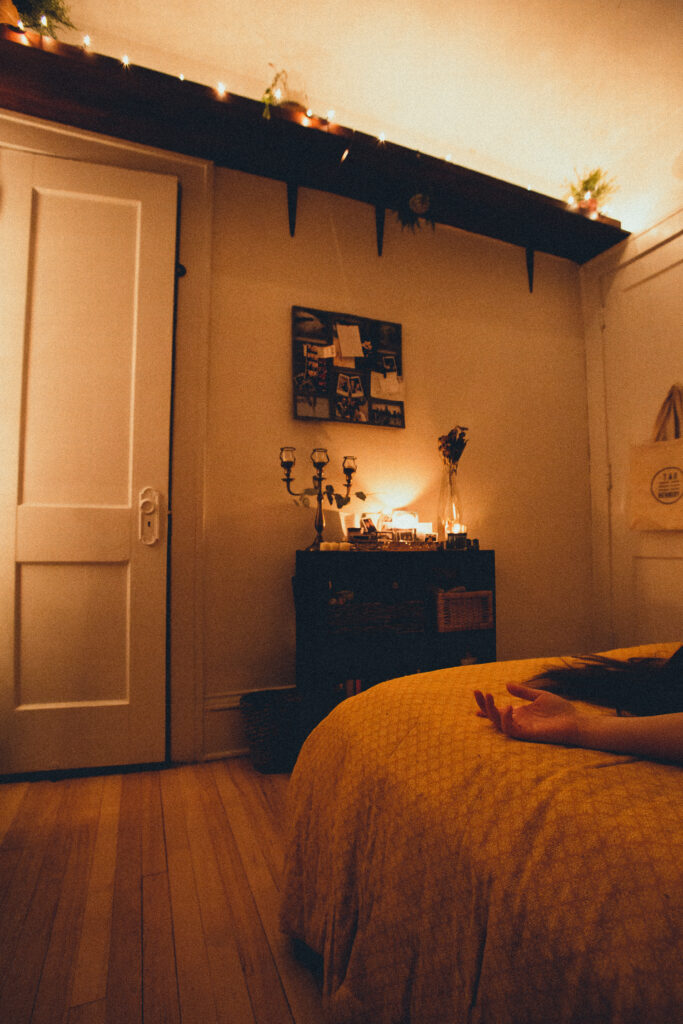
[(97, 432), (86, 430), (643, 357)]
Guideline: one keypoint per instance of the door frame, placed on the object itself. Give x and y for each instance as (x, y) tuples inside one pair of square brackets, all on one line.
[(189, 399), (595, 278)]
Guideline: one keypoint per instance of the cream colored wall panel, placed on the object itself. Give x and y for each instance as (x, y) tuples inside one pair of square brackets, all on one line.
[(658, 597), (224, 734), (478, 350)]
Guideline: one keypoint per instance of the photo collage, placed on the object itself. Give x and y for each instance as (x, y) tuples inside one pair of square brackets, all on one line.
[(347, 368)]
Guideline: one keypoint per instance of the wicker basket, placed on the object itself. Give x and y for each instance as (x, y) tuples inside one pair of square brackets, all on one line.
[(271, 723), (463, 609), (377, 616)]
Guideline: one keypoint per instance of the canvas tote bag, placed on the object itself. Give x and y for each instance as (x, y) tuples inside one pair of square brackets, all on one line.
[(656, 480)]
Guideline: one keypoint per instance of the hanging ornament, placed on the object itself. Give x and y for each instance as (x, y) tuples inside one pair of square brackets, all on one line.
[(415, 210)]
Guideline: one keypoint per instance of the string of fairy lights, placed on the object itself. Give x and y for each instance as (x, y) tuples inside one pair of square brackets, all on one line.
[(305, 116)]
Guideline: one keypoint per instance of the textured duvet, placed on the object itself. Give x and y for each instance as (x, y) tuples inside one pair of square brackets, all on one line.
[(448, 874)]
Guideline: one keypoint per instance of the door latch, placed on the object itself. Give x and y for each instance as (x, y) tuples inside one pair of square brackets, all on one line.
[(148, 522)]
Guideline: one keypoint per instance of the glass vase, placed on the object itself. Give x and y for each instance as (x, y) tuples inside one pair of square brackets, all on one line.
[(450, 516)]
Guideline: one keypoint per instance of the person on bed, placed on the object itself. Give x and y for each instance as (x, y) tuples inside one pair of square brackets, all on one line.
[(647, 694)]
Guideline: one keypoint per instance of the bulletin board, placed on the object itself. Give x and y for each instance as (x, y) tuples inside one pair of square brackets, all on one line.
[(347, 368)]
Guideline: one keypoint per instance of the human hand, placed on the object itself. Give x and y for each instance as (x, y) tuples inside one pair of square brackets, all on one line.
[(548, 718)]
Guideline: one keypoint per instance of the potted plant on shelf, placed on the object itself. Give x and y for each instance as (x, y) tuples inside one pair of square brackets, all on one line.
[(42, 16), (588, 192)]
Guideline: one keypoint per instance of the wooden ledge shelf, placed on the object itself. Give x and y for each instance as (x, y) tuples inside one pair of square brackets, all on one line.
[(72, 86)]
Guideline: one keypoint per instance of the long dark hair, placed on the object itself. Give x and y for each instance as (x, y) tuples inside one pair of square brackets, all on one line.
[(639, 686)]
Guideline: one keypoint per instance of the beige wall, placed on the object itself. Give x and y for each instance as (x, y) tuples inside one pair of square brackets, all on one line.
[(479, 350)]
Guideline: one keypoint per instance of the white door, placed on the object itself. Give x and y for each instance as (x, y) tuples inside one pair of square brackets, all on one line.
[(643, 357), (86, 338)]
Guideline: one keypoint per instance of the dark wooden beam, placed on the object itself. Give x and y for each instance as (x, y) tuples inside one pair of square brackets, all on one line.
[(292, 198), (530, 267), (380, 213), (74, 87)]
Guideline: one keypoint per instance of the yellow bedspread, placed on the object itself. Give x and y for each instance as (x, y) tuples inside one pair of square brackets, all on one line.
[(449, 874)]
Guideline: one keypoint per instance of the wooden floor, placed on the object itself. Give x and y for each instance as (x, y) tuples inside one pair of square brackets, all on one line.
[(147, 897)]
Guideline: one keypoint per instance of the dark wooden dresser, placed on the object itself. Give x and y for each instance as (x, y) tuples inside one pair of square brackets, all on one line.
[(366, 616)]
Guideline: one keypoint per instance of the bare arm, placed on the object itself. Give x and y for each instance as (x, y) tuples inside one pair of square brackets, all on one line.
[(655, 736), (548, 718)]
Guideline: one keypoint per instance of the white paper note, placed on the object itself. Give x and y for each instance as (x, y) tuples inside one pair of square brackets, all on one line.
[(350, 346)]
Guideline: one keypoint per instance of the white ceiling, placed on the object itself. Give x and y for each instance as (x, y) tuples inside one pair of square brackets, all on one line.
[(529, 91)]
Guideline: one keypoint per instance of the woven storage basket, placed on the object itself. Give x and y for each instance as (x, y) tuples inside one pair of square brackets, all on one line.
[(463, 609), (271, 723)]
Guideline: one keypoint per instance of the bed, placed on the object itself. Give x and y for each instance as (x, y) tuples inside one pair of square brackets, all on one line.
[(445, 873)]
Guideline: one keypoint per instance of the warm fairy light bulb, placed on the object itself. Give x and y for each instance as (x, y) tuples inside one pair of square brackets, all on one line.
[(382, 137), (220, 89), (43, 20), (20, 25), (330, 115), (309, 112), (86, 40), (125, 60), (277, 93), (449, 157), (181, 77)]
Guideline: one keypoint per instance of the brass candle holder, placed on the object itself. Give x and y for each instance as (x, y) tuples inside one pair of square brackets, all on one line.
[(320, 459)]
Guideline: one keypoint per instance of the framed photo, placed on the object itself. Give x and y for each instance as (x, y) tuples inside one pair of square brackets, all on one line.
[(347, 368)]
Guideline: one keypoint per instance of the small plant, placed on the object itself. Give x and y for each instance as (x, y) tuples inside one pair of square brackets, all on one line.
[(43, 15), (276, 91), (592, 190), (340, 500)]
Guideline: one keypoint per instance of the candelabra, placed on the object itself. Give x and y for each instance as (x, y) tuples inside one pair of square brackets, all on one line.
[(320, 459)]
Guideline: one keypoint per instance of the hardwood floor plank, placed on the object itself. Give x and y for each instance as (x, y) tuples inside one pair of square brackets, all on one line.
[(262, 861), (9, 860), (264, 820), (241, 795), (52, 999), (267, 995), (31, 937), (88, 1013), (192, 961), (11, 796), (159, 981), (124, 978), (90, 977), (231, 994), (153, 839)]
